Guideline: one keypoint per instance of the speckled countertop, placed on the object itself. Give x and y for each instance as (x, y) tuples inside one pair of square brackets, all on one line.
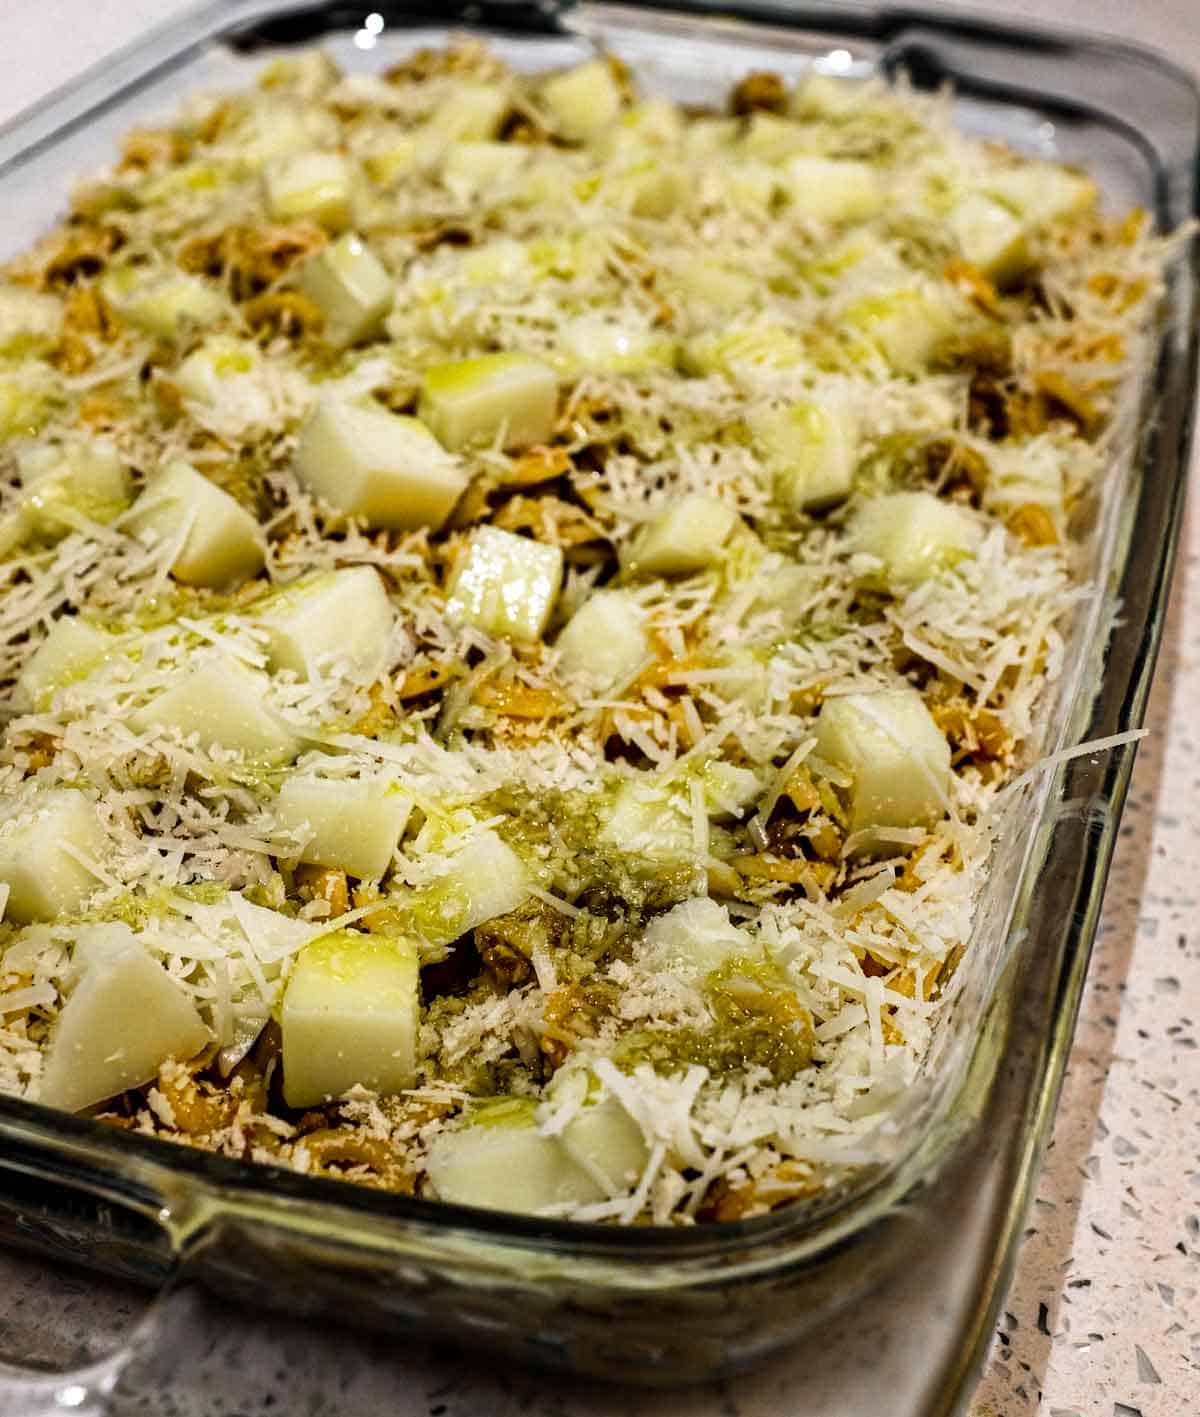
[(1103, 1315)]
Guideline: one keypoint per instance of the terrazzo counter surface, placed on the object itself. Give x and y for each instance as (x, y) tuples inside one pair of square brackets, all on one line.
[(1103, 1314)]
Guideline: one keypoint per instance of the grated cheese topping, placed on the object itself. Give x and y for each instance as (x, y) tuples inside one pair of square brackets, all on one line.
[(690, 281)]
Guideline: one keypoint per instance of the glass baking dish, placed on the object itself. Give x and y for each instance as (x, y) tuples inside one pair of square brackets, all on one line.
[(922, 1248)]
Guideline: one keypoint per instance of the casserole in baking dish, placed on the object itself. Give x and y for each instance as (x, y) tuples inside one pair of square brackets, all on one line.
[(932, 1110)]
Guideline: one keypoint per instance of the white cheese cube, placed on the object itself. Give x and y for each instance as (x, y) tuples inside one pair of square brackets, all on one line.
[(772, 137), (26, 398), (651, 188), (696, 936), (505, 584), (348, 826), (331, 617), (507, 1166), (914, 534), (584, 102), (349, 1018), (601, 343), (832, 189), (608, 1144), (279, 125), (219, 543), (990, 237), (483, 879), (71, 649), (348, 281), (471, 110), (42, 854), (310, 73), (1040, 192), (728, 789), (96, 945), (387, 469), (226, 387), (224, 705), (605, 641), (471, 169), (502, 261), (687, 537), (317, 186), (125, 1017), (650, 822), (711, 285), (512, 397), (811, 450), (62, 484), (907, 325), (645, 129), (896, 754), (750, 186), (30, 322), (168, 305), (390, 156)]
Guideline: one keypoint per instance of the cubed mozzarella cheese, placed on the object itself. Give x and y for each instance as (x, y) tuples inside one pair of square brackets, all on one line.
[(585, 101), (608, 1144), (833, 189), (650, 822), (64, 483), (471, 110), (26, 398), (990, 237), (472, 169), (339, 617), (773, 137), (605, 641), (507, 1166), (348, 826), (124, 1018), (354, 291), (509, 397), (318, 186), (811, 452), (505, 585), (51, 856), (696, 936), (604, 344), (166, 304), (1040, 192), (69, 651), (896, 755), (686, 537), (390, 156), (30, 321), (385, 468), (216, 542), (483, 879), (349, 1018), (223, 704), (915, 535)]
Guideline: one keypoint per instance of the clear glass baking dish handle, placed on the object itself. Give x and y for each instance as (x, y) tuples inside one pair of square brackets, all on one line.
[(118, 1283), (87, 1390)]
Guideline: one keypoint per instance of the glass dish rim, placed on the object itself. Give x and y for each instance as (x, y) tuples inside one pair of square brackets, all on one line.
[(143, 1173)]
